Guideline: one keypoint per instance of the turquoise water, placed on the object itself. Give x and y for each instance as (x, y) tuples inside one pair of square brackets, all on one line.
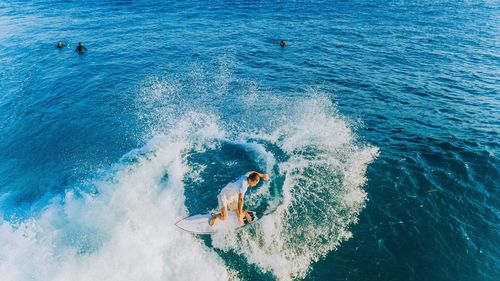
[(378, 125)]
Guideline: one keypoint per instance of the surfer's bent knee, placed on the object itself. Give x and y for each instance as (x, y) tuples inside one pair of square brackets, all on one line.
[(223, 213)]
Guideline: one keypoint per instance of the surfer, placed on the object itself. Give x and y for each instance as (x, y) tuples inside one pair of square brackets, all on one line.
[(232, 195), (60, 45), (80, 48)]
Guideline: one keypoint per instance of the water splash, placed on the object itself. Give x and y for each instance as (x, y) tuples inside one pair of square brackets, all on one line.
[(322, 194), (125, 231)]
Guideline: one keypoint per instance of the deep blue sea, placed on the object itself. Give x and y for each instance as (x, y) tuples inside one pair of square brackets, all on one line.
[(378, 123)]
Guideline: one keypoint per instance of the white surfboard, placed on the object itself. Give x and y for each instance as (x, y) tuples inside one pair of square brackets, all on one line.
[(198, 224)]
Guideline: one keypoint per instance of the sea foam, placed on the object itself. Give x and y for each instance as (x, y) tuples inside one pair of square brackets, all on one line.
[(123, 231), (322, 193), (124, 227)]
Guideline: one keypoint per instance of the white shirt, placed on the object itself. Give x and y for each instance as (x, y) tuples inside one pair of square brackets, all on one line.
[(234, 188)]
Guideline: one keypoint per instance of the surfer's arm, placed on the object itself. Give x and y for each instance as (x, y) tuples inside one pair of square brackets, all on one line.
[(240, 208)]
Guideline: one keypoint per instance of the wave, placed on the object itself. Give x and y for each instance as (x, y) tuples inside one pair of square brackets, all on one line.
[(322, 178), (123, 227), (122, 231)]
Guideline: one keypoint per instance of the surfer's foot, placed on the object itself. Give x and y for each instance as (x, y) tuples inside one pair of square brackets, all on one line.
[(248, 218), (211, 221)]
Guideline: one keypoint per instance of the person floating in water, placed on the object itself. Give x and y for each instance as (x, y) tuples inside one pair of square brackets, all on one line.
[(232, 195), (80, 48), (283, 43), (60, 45)]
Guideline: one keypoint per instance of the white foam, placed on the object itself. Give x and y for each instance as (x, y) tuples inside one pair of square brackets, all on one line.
[(125, 232), (324, 171), (322, 194)]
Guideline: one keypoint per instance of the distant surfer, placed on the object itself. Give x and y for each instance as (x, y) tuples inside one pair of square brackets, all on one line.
[(283, 43), (80, 48), (60, 45), (232, 195)]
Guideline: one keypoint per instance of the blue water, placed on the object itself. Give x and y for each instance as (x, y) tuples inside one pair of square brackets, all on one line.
[(378, 124)]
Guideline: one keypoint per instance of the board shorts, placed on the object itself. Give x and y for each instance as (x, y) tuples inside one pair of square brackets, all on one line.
[(226, 203)]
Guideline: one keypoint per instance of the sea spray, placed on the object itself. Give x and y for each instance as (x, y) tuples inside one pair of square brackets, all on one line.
[(125, 231), (124, 228), (311, 152), (322, 193)]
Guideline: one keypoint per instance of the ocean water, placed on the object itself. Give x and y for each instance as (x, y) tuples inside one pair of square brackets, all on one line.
[(379, 126)]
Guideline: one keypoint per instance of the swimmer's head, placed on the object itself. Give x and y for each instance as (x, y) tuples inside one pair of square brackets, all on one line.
[(59, 44), (253, 179), (80, 44), (283, 43)]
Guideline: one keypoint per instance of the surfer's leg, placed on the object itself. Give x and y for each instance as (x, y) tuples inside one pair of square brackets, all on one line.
[(222, 216), (223, 211), (247, 216), (245, 213), (222, 207)]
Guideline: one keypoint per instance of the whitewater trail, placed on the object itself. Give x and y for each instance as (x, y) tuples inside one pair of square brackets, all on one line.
[(124, 231)]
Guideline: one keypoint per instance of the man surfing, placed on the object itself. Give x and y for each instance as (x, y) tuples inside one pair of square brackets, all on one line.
[(232, 195)]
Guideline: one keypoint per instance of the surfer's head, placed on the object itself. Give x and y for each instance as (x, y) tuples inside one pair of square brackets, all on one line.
[(59, 44), (253, 179)]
